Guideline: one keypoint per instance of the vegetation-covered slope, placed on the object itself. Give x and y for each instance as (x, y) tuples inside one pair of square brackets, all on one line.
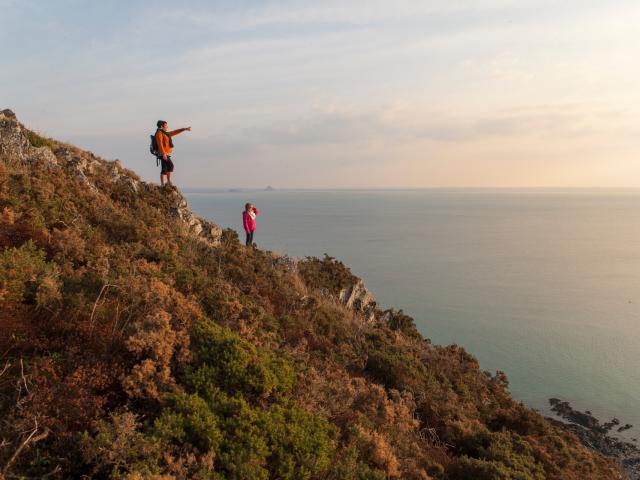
[(138, 341)]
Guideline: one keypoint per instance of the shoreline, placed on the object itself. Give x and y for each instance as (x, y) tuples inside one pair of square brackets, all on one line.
[(598, 436)]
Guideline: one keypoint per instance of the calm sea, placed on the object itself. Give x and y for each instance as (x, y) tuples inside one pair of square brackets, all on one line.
[(544, 285)]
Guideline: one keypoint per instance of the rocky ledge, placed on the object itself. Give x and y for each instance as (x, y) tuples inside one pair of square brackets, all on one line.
[(23, 147), (597, 436)]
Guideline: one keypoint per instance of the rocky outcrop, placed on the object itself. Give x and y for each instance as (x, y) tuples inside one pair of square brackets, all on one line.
[(15, 145), (83, 167), (360, 299), (596, 435), (118, 174), (21, 146), (193, 224)]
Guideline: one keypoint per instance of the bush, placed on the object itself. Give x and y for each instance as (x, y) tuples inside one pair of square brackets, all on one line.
[(39, 141), (395, 367), (301, 444), (25, 276), (328, 274), (189, 420), (350, 467), (118, 449), (249, 442), (329, 322), (228, 362), (398, 320), (496, 456)]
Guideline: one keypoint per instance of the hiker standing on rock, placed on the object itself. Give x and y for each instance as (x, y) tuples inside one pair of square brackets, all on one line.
[(164, 148), (249, 221)]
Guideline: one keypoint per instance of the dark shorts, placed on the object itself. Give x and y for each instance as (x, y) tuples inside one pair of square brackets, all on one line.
[(167, 165)]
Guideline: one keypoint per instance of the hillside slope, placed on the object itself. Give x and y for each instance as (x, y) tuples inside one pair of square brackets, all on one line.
[(139, 341)]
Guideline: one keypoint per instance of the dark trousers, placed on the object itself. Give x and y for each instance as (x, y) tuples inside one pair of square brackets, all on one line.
[(167, 165), (249, 238)]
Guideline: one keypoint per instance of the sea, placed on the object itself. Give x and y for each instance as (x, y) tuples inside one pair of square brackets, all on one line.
[(541, 284)]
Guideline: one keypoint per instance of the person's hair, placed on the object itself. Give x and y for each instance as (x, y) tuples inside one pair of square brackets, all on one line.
[(160, 123), (247, 207)]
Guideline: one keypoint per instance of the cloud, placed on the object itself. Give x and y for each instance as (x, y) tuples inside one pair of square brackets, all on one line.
[(299, 86), (562, 121)]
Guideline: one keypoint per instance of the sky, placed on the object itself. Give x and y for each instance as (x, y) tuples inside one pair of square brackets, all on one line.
[(338, 93)]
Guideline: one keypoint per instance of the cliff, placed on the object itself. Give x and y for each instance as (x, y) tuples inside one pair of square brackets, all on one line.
[(140, 341)]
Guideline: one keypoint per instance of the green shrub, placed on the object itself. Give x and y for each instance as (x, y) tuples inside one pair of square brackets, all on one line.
[(403, 323), (118, 448), (328, 322), (350, 467), (189, 420), (38, 141), (282, 441), (520, 420), (25, 276), (328, 274), (496, 456), (189, 280), (301, 444), (395, 367), (228, 362), (244, 450)]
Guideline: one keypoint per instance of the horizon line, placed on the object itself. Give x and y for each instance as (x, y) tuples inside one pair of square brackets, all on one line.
[(235, 189)]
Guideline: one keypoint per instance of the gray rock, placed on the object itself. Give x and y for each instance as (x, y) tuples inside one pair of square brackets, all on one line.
[(202, 229), (360, 299), (14, 144), (118, 174)]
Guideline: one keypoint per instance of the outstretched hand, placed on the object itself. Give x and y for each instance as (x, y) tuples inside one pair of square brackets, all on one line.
[(188, 129)]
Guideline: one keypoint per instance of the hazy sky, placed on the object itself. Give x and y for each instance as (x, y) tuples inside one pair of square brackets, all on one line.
[(337, 93)]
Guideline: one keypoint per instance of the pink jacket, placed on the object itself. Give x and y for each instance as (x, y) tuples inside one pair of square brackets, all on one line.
[(248, 222)]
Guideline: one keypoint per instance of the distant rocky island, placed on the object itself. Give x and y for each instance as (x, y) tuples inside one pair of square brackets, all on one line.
[(268, 188)]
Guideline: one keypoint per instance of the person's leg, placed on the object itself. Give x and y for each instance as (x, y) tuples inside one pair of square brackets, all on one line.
[(163, 171), (251, 238), (248, 239), (170, 170)]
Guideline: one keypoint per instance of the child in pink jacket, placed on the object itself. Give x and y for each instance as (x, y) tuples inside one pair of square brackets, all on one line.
[(249, 221)]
